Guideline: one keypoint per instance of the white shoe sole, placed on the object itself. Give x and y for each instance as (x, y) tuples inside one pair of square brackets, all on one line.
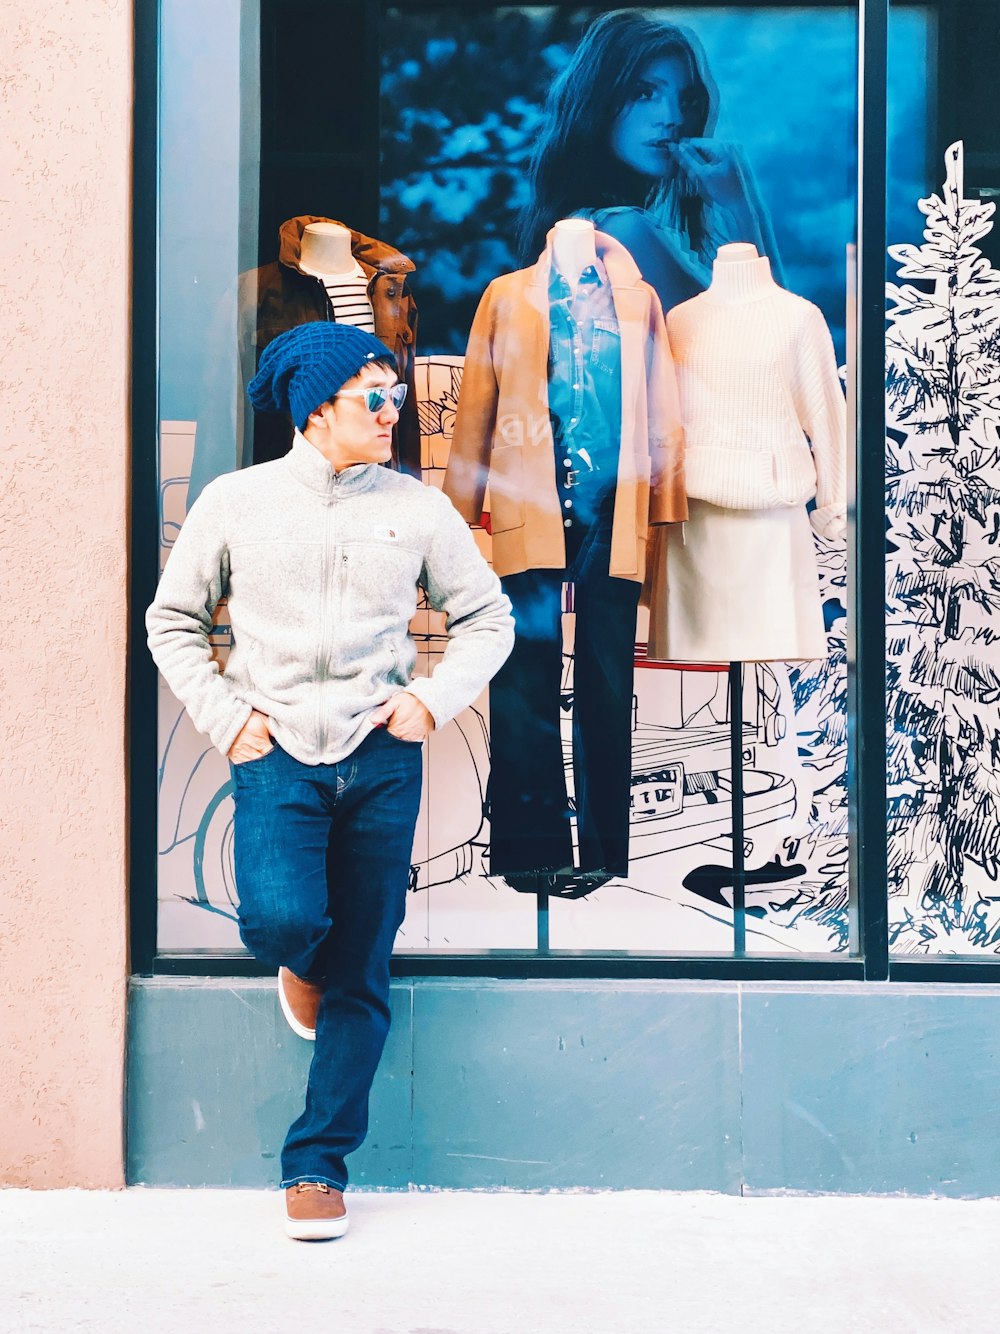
[(308, 1033), (315, 1229)]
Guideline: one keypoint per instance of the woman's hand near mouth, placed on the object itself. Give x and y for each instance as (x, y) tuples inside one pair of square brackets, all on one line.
[(715, 169)]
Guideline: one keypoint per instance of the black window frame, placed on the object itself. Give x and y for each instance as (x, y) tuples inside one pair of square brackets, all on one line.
[(866, 606)]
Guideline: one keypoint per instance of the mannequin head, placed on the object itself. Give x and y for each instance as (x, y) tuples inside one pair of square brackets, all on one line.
[(633, 85), (345, 431), (736, 252), (326, 248)]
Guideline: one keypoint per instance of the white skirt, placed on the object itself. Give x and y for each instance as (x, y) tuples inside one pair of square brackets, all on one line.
[(735, 586)]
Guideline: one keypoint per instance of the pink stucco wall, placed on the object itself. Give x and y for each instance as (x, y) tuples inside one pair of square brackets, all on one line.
[(65, 105)]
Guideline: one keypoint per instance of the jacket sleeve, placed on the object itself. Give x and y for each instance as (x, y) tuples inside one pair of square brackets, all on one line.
[(823, 416), (179, 621), (407, 432), (478, 617), (475, 418), (668, 495)]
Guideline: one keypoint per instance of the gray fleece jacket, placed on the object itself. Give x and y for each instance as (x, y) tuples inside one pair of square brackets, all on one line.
[(322, 571)]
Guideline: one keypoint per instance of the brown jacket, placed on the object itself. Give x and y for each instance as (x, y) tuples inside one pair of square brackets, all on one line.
[(503, 434), (280, 296)]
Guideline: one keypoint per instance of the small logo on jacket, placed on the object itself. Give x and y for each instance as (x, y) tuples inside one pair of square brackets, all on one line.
[(386, 534)]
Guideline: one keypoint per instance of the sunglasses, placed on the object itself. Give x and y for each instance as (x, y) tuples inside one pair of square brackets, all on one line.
[(375, 398)]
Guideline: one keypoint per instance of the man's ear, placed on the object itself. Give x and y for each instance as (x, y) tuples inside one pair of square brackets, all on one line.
[(318, 417)]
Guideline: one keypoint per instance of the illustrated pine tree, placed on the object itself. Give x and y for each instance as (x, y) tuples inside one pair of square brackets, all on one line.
[(943, 579), (820, 693)]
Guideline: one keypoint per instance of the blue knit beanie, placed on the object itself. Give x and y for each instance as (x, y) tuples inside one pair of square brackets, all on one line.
[(305, 366)]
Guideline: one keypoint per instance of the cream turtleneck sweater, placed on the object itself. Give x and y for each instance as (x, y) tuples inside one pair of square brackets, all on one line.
[(757, 374)]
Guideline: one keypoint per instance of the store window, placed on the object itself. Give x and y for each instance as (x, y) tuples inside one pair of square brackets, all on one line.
[(387, 164)]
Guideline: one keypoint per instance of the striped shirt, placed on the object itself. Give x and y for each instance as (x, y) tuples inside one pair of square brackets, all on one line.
[(348, 293)]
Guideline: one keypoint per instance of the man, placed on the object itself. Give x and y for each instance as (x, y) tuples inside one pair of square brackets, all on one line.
[(321, 555)]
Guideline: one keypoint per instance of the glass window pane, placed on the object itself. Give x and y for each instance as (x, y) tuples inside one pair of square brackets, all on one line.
[(943, 483), (466, 91), (448, 142)]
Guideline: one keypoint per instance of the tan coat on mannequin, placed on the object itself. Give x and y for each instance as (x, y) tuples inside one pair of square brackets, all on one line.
[(503, 435)]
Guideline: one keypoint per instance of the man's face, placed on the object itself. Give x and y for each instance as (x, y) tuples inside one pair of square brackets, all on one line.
[(350, 431)]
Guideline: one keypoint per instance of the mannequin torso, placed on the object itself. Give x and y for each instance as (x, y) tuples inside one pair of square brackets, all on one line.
[(326, 255), (326, 248), (764, 429), (739, 273), (573, 248)]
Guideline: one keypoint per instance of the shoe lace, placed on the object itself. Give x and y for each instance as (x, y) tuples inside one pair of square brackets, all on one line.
[(321, 1186)]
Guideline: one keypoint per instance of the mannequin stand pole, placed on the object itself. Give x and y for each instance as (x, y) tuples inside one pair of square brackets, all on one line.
[(736, 792), (543, 922)]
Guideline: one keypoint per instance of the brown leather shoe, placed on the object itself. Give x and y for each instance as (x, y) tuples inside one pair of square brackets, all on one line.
[(314, 1211), (299, 1003)]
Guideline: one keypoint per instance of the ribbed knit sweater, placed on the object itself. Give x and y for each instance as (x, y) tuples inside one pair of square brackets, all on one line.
[(757, 375)]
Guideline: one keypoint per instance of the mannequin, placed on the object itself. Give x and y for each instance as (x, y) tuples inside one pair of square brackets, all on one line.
[(738, 266), (326, 254), (765, 425), (574, 248), (278, 296), (567, 405), (326, 249)]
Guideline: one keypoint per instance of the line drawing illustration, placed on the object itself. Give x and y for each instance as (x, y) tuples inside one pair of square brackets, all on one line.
[(943, 580), (794, 774)]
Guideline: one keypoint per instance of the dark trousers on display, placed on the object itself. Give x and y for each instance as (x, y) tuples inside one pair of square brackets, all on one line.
[(323, 857), (530, 826)]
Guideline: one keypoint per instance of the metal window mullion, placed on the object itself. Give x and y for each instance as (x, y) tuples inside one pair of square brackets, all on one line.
[(866, 532), (737, 797), (141, 691)]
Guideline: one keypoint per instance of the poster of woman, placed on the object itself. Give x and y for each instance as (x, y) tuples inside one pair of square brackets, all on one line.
[(638, 105)]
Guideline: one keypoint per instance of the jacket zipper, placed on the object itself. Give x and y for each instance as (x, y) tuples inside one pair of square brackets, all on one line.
[(324, 628)]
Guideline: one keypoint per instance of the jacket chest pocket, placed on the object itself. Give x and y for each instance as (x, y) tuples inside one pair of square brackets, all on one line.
[(606, 347), (379, 575)]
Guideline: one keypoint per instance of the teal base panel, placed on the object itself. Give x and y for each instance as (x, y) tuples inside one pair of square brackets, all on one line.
[(215, 1077), (881, 1090), (743, 1088)]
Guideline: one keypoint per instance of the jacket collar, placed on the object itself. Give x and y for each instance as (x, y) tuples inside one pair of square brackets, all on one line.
[(622, 269), (373, 256), (308, 466), (592, 280)]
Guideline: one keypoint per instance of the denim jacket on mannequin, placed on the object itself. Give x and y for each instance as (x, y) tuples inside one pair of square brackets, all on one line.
[(584, 390)]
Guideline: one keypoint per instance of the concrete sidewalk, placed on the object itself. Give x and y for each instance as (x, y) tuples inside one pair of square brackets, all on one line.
[(455, 1263)]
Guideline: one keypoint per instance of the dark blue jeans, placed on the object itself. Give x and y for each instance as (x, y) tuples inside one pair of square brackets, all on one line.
[(529, 809), (323, 857)]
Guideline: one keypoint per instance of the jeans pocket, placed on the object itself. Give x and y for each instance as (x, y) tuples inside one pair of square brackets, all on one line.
[(252, 764)]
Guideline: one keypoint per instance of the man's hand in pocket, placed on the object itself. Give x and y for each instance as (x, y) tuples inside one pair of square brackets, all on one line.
[(253, 740), (405, 717)]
